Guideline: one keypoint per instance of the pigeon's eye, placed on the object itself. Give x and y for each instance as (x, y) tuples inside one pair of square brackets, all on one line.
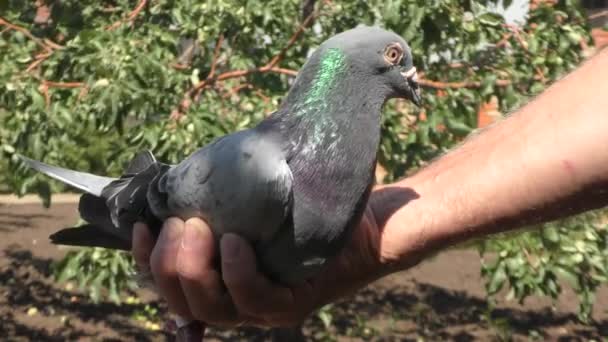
[(393, 54)]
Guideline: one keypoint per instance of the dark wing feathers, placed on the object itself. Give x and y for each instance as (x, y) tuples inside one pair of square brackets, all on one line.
[(89, 235), (93, 209), (140, 162)]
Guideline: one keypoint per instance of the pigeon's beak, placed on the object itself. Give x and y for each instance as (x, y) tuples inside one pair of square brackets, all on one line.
[(411, 77)]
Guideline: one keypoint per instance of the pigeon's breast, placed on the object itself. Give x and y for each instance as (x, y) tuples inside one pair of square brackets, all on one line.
[(239, 184)]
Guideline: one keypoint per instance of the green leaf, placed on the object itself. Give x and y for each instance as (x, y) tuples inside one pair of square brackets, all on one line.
[(551, 234), (567, 274), (491, 19), (487, 84), (478, 8), (458, 127), (577, 258), (497, 280)]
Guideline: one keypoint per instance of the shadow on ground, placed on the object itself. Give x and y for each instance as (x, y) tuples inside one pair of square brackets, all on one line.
[(436, 302), (26, 283), (404, 313)]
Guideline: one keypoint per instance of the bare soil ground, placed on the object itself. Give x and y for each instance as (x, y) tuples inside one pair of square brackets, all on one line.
[(440, 300)]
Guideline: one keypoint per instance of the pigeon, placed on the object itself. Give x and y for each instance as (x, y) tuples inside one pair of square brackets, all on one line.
[(295, 185)]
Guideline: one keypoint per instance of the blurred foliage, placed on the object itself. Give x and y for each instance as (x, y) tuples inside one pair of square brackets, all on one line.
[(86, 84), (98, 271), (534, 262)]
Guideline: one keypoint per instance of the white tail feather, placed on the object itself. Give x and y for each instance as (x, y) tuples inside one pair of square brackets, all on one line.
[(84, 181)]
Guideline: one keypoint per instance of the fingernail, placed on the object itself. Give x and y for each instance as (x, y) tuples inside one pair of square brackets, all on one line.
[(173, 230), (192, 238), (230, 247)]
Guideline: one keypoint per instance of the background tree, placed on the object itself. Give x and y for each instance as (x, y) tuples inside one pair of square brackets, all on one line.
[(86, 84)]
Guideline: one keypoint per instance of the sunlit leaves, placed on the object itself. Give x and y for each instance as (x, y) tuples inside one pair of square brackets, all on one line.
[(533, 263), (98, 272)]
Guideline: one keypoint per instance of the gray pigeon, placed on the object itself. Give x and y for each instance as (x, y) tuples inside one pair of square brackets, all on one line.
[(294, 186)]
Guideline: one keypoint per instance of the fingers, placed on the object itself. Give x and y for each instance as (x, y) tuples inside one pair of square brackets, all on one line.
[(142, 245), (182, 264), (163, 262), (200, 281), (253, 293)]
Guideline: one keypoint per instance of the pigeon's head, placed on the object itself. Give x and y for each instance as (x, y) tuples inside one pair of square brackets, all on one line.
[(379, 57)]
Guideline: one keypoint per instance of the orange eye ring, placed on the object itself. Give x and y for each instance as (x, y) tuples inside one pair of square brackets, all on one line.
[(393, 54)]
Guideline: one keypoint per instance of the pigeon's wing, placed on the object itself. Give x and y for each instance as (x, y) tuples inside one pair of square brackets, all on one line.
[(126, 198), (239, 184)]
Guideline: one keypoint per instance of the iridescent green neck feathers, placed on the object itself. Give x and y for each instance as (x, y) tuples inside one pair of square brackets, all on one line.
[(330, 67)]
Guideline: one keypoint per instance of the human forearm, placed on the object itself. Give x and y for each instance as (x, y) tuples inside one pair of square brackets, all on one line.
[(548, 160)]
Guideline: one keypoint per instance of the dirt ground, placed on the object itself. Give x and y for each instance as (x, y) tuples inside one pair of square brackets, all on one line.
[(440, 300)]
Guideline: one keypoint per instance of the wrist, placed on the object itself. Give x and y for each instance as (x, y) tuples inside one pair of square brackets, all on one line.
[(407, 221)]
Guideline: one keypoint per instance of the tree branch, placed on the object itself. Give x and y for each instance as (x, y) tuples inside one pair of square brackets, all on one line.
[(48, 47), (63, 85), (44, 90), (236, 89), (131, 17), (516, 31), (194, 92), (426, 83), (284, 71), (216, 53), (270, 67), (274, 61), (46, 85), (39, 59), (600, 14), (26, 33), (46, 44), (455, 85)]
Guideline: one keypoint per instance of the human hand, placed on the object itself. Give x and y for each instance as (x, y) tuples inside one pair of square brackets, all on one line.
[(183, 263)]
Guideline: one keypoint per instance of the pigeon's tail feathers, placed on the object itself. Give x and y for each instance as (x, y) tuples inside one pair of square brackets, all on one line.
[(89, 235), (84, 181), (110, 205)]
